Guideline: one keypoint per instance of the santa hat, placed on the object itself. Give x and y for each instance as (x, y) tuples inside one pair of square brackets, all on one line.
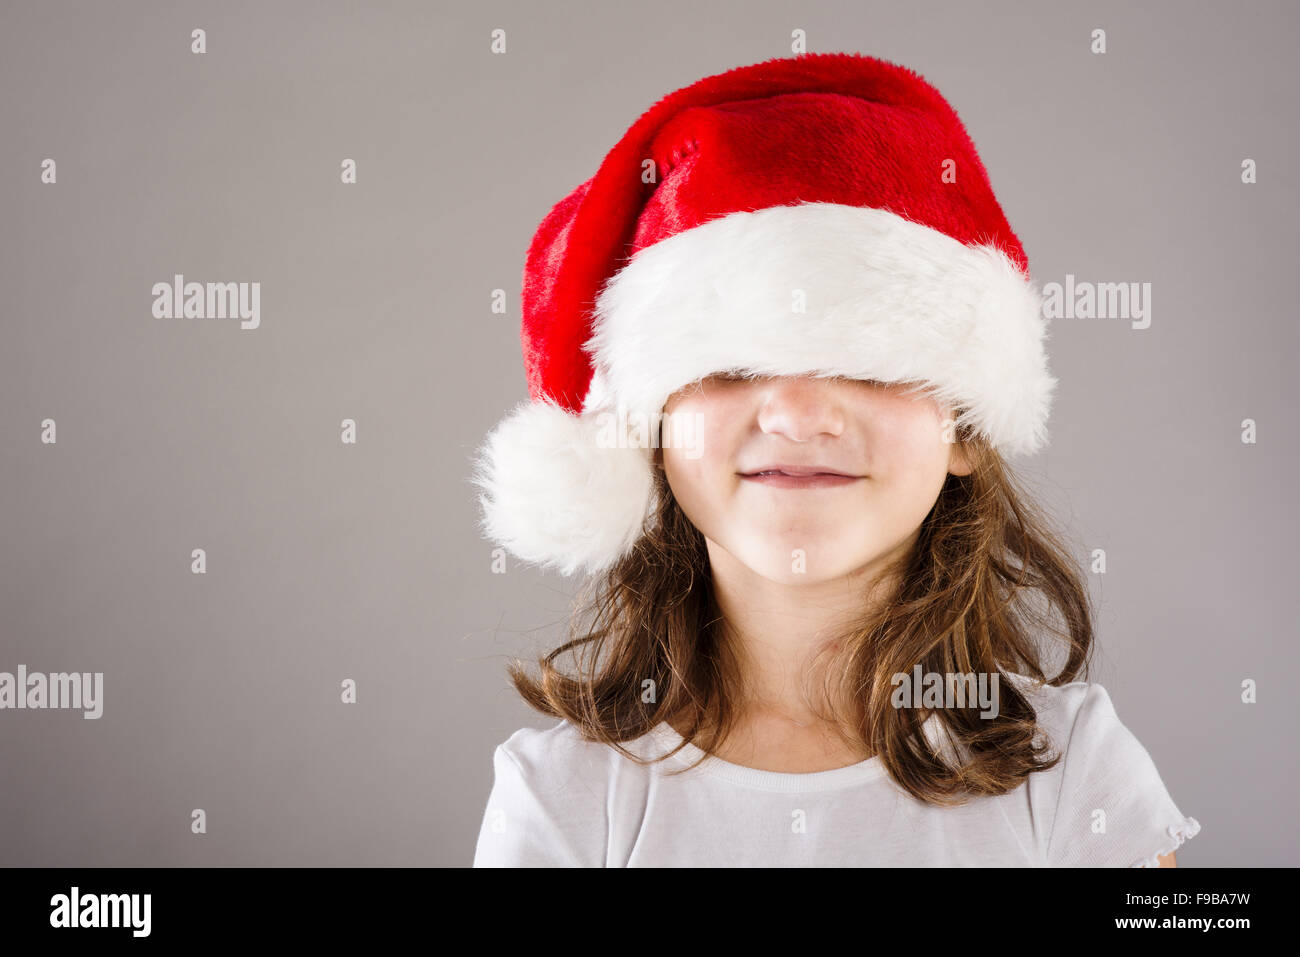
[(825, 214)]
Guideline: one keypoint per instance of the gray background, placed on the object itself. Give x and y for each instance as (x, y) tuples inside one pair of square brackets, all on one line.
[(328, 561)]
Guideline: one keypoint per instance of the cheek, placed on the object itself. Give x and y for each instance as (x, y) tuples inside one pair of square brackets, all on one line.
[(909, 437), (913, 464), (688, 477), (699, 467)]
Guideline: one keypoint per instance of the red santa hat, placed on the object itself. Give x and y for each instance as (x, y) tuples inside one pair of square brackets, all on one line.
[(825, 214)]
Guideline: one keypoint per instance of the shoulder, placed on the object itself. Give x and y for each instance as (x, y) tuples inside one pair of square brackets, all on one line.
[(1061, 710), (1053, 697), (548, 805), (534, 744), (1079, 721), (557, 758), (1104, 803)]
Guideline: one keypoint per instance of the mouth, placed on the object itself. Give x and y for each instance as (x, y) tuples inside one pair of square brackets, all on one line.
[(800, 477)]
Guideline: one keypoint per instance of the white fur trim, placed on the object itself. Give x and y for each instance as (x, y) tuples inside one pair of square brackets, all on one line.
[(885, 299), (558, 493)]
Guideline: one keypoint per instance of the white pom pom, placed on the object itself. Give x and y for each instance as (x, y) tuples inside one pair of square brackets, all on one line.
[(553, 496)]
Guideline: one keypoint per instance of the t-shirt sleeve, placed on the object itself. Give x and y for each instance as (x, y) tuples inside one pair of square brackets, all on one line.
[(540, 813), (1112, 810)]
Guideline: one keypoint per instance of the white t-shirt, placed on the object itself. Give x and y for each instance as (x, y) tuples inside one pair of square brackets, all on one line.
[(560, 801)]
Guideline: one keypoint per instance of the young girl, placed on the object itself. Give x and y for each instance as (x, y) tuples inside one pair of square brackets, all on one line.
[(777, 348)]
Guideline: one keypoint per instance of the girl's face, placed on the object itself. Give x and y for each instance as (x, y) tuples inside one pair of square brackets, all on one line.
[(891, 451)]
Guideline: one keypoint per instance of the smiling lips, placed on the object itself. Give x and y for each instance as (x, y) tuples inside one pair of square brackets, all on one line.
[(796, 476)]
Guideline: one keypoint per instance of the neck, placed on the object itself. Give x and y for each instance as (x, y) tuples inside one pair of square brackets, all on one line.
[(778, 630)]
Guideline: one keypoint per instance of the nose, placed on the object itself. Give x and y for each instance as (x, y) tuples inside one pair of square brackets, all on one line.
[(800, 408)]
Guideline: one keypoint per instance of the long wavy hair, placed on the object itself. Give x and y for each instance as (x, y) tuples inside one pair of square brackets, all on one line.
[(985, 584)]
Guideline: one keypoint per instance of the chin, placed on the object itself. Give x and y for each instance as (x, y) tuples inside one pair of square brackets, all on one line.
[(783, 567), (792, 578)]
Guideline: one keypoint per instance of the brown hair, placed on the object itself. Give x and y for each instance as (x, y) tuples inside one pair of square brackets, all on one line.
[(962, 601)]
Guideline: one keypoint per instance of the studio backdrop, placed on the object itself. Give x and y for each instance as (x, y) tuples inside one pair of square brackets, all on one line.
[(252, 530)]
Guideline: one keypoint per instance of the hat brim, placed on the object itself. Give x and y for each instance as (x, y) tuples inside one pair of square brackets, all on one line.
[(829, 289)]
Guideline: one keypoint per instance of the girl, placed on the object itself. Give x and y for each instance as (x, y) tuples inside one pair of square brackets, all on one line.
[(777, 348)]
